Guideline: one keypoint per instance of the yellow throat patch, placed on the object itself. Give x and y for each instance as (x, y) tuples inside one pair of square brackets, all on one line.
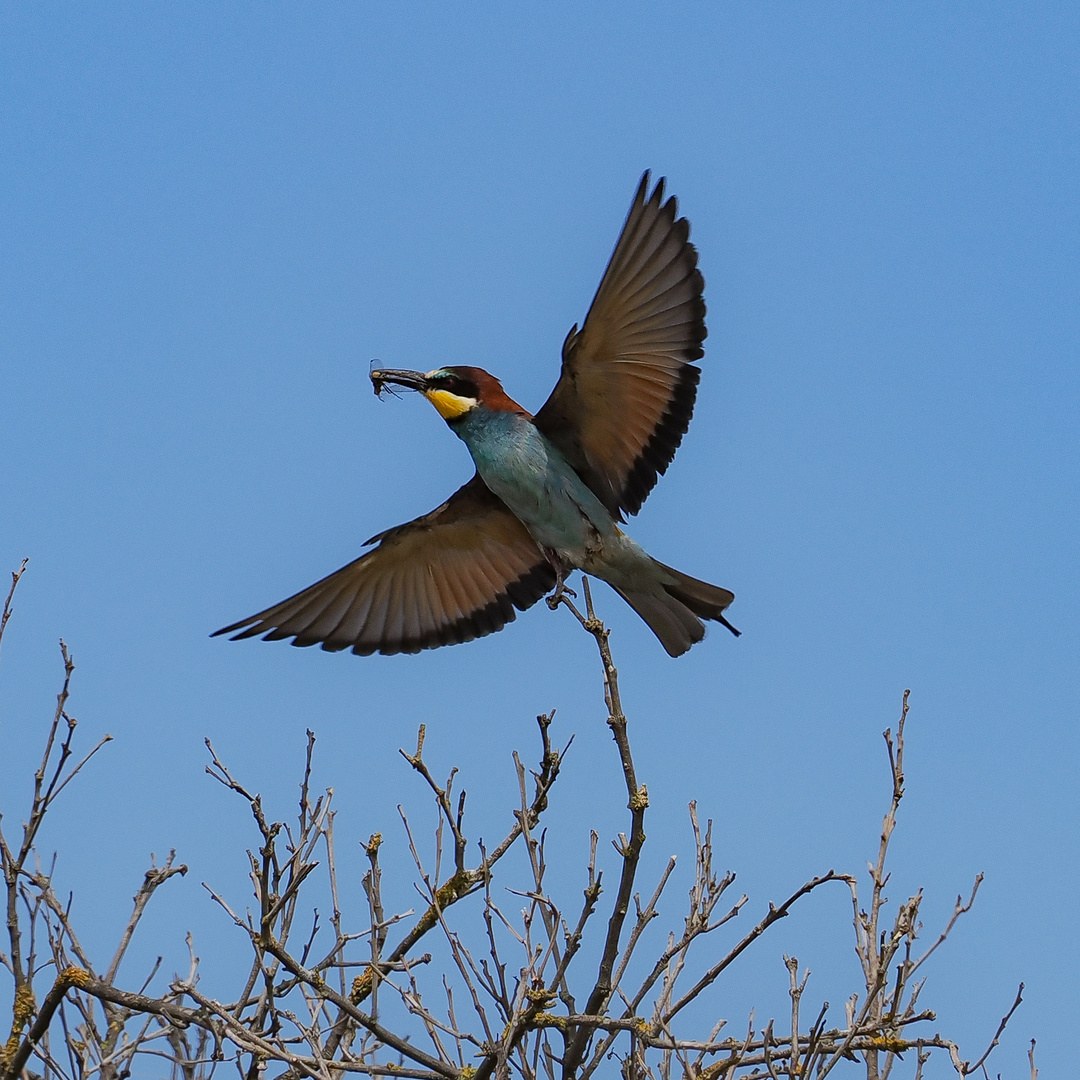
[(449, 405)]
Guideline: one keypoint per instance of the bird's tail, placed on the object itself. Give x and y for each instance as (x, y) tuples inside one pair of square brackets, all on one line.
[(674, 611)]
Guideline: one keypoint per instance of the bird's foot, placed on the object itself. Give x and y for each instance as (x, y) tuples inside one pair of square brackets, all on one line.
[(561, 570), (561, 590)]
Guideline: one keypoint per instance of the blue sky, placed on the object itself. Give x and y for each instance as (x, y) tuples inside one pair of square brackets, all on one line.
[(213, 216)]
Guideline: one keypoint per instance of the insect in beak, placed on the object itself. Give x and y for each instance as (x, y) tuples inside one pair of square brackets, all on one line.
[(410, 380)]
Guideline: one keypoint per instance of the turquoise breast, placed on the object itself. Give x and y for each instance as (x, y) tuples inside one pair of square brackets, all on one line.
[(535, 481)]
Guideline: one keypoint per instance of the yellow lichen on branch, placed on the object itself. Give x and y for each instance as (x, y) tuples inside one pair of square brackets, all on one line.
[(22, 1011)]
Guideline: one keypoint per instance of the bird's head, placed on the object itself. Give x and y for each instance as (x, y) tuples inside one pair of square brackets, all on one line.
[(454, 391)]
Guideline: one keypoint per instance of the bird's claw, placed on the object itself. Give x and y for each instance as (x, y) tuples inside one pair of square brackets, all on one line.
[(561, 590)]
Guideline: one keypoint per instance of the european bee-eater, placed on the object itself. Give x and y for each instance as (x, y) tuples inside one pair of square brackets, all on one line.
[(550, 489)]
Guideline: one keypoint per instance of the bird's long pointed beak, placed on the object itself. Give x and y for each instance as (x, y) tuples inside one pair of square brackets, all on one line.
[(411, 380)]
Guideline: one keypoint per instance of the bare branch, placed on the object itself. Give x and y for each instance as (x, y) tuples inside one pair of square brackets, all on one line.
[(997, 1034), (155, 877), (773, 915)]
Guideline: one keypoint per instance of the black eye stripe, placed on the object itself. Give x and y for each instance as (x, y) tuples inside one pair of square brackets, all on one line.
[(456, 385)]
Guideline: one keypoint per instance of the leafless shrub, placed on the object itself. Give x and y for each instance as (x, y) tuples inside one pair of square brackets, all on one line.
[(505, 1001)]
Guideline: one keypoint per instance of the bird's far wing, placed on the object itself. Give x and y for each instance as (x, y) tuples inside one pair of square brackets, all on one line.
[(626, 393), (450, 576)]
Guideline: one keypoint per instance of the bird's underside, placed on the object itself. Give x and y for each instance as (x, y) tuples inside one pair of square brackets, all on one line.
[(617, 415)]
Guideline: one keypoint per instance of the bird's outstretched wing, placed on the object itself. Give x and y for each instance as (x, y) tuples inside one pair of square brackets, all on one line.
[(450, 576), (626, 393)]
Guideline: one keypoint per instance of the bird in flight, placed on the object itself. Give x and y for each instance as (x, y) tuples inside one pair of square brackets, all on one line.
[(549, 490)]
